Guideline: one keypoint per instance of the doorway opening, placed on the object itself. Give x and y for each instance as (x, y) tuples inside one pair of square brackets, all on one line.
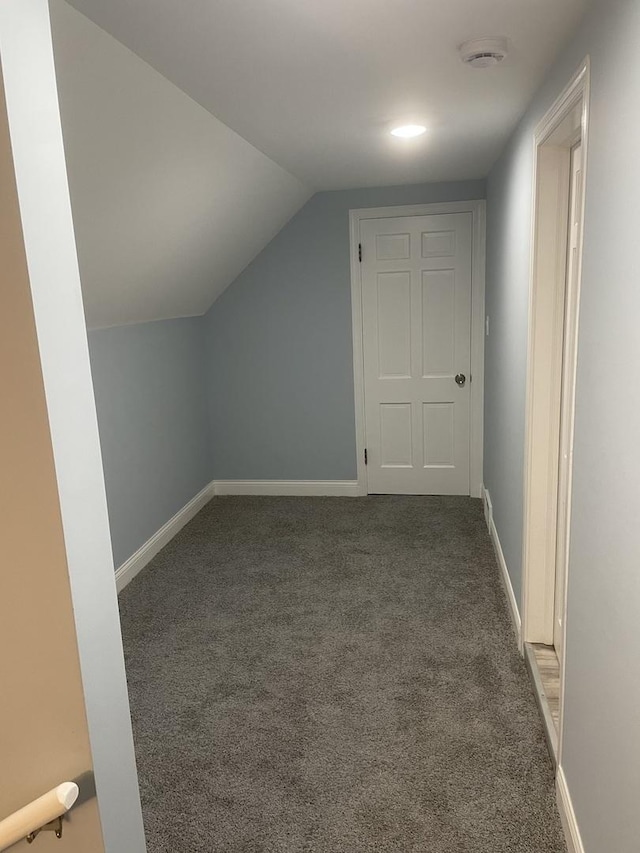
[(560, 142)]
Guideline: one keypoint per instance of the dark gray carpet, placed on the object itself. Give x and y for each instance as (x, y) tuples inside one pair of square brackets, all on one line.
[(335, 675)]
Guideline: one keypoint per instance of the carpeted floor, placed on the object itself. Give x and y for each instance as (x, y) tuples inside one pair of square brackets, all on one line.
[(334, 675)]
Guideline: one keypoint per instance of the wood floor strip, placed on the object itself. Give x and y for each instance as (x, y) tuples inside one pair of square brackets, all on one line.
[(544, 668)]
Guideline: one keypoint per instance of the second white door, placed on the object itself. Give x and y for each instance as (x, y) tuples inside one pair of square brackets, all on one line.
[(416, 310)]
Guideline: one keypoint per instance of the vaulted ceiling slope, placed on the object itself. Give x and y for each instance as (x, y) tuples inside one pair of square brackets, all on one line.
[(169, 204), (315, 84)]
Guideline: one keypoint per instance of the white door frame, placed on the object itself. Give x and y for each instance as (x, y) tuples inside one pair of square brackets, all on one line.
[(551, 358), (31, 97), (478, 210)]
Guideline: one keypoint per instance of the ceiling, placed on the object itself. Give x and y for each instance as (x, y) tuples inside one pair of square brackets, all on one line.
[(315, 84), (169, 204), (194, 129)]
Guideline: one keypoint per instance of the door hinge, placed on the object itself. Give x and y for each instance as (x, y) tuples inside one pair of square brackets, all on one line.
[(366, 458), (360, 252)]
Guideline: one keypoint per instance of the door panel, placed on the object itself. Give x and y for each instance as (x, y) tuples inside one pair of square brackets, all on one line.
[(438, 323), (394, 325), (396, 439), (416, 305), (439, 430)]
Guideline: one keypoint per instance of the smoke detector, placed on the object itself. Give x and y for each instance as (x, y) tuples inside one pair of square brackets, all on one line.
[(484, 53)]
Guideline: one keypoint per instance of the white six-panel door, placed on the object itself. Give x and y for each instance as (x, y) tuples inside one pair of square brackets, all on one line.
[(416, 310)]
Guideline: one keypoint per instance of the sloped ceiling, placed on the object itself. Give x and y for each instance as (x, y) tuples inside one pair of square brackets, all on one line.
[(169, 204)]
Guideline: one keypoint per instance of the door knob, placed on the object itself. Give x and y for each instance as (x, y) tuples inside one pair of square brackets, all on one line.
[(461, 379)]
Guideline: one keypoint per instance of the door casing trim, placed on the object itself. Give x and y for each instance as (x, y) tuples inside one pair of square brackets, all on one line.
[(545, 371), (476, 433)]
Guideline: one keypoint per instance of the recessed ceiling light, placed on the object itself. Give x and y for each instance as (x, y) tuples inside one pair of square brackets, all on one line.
[(407, 131)]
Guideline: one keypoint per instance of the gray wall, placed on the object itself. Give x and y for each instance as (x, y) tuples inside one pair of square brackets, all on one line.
[(601, 751), (506, 305), (152, 414), (279, 347)]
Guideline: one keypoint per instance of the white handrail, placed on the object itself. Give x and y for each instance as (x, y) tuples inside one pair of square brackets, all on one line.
[(34, 816)]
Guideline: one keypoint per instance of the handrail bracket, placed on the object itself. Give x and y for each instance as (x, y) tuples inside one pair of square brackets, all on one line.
[(52, 826)]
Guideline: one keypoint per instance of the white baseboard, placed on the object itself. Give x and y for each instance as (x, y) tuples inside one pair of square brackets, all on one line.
[(136, 562), (336, 488), (504, 572), (567, 814)]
